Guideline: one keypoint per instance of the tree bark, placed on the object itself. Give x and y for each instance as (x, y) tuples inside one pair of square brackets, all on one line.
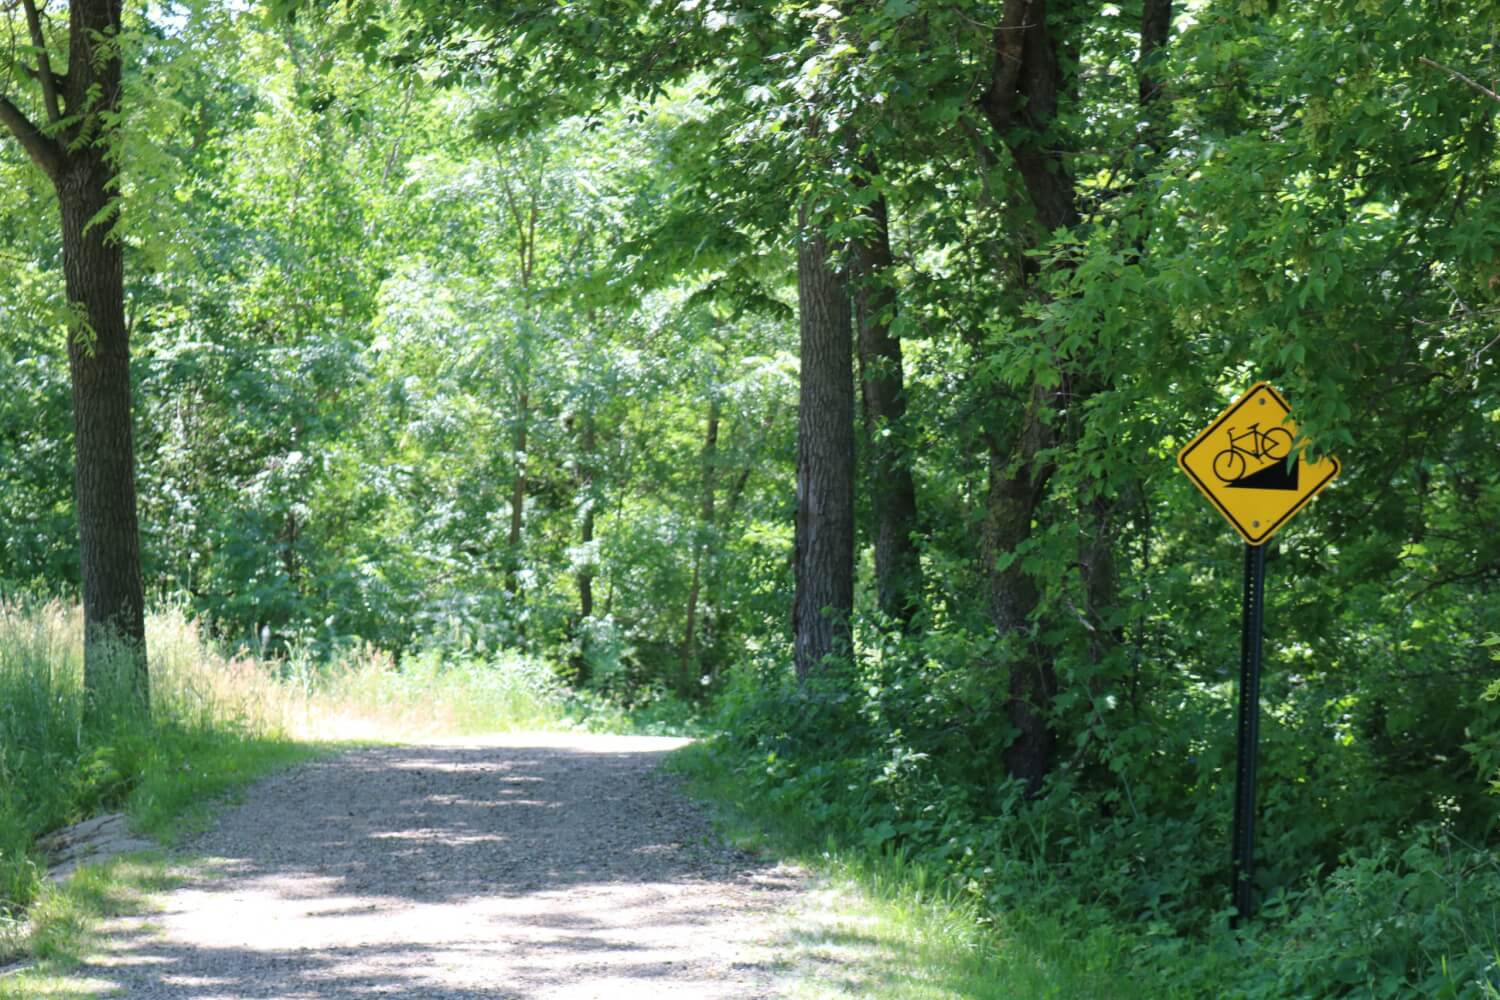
[(289, 532), (78, 106), (823, 560), (1156, 25), (893, 496), (1018, 475), (710, 460), (586, 527), (517, 496), (1020, 104), (588, 445), (104, 476), (525, 213)]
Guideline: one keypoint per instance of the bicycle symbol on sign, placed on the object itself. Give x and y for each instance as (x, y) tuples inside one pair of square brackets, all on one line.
[(1231, 463)]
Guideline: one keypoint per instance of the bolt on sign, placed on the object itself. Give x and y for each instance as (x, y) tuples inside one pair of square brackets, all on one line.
[(1240, 464)]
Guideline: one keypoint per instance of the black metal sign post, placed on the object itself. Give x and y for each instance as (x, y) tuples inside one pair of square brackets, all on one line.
[(1242, 857), (1257, 499)]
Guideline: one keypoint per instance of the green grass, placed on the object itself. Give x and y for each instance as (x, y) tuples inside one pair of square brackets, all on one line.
[(203, 737), (879, 926), (63, 922), (876, 927)]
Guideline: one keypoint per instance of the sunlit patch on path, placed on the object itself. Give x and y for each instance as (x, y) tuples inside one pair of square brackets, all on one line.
[(546, 867)]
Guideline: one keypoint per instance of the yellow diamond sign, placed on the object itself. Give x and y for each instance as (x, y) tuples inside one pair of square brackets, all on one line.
[(1240, 464)]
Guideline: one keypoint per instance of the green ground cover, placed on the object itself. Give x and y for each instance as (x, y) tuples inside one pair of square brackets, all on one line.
[(880, 923), (1057, 897)]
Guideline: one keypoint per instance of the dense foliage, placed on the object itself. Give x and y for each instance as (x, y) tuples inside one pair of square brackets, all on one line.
[(361, 334), (473, 326)]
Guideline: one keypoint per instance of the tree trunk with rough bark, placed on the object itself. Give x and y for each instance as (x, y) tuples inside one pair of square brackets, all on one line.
[(893, 496), (1021, 104), (586, 526), (72, 151), (823, 561), (1018, 475), (1156, 25), (587, 446), (710, 459), (104, 476)]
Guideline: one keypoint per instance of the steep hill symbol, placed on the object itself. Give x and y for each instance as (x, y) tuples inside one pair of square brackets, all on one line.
[(1275, 476)]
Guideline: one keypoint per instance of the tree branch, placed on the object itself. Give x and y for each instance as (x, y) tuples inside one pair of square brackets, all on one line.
[(32, 73), (44, 152), (999, 99), (44, 64), (1455, 74)]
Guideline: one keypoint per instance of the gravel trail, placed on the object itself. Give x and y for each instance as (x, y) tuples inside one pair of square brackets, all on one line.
[(544, 867)]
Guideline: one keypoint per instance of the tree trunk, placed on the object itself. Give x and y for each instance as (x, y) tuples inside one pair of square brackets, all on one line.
[(823, 560), (72, 151), (893, 497), (517, 497), (289, 532), (587, 446), (1097, 567), (700, 544), (1021, 104), (586, 528), (1156, 24), (104, 479), (1017, 482)]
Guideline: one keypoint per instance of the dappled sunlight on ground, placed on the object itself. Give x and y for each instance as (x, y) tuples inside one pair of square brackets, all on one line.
[(559, 867), (839, 941)]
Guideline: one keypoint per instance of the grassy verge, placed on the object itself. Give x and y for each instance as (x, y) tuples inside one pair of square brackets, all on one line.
[(882, 926), (213, 727), (63, 922), (1414, 919)]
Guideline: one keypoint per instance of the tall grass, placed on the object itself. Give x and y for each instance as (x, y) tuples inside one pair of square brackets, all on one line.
[(58, 765), (218, 717), (366, 695)]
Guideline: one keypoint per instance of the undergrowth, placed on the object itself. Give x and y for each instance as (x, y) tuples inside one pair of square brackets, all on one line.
[(1121, 862), (885, 922)]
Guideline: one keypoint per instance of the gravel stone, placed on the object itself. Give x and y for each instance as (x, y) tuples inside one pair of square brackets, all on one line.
[(548, 867)]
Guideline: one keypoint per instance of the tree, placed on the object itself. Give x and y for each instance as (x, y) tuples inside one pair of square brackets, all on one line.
[(1020, 103), (824, 560), (710, 459), (79, 108), (893, 494)]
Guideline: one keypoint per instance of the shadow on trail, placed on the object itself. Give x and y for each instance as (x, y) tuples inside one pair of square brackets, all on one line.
[(444, 872), (438, 823)]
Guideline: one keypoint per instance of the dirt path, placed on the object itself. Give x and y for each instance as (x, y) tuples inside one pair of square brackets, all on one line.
[(527, 867)]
